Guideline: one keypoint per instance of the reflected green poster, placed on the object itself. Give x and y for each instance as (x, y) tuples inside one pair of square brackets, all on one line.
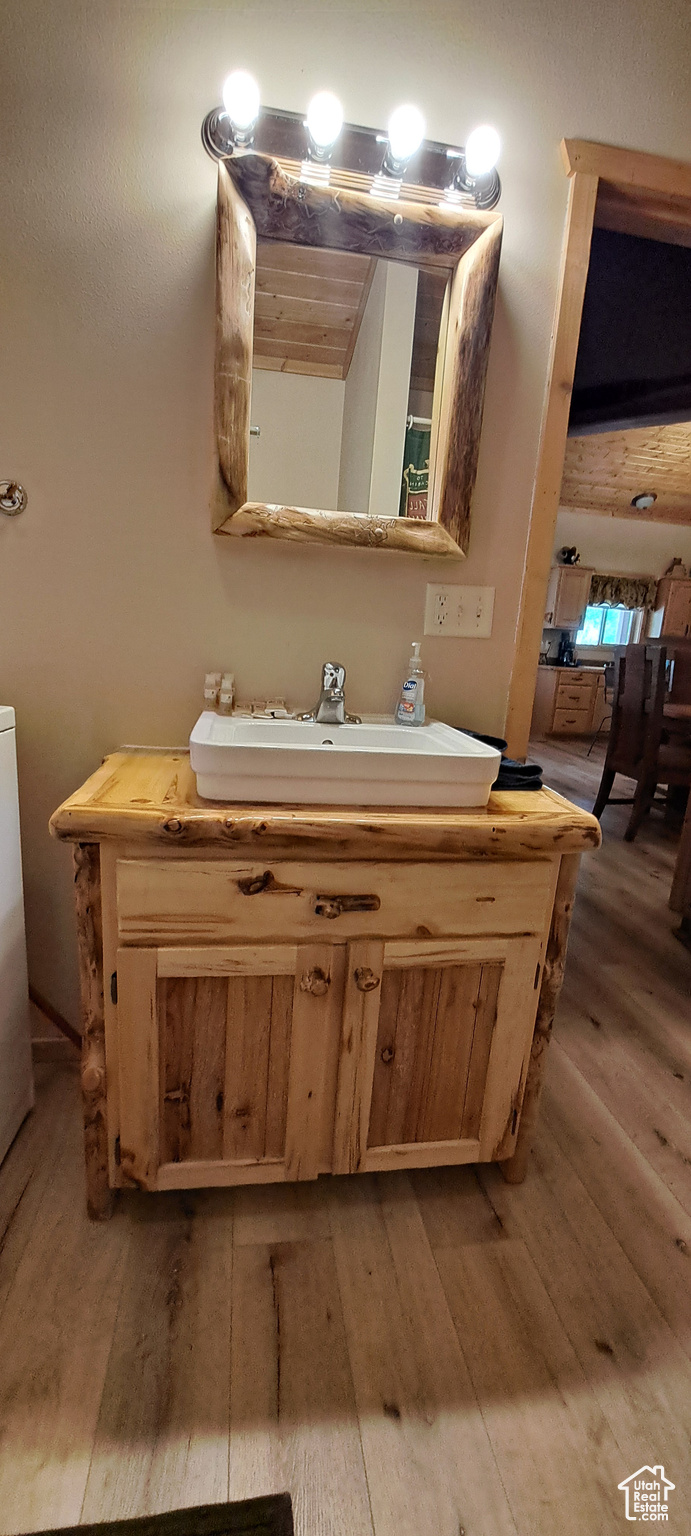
[(415, 484)]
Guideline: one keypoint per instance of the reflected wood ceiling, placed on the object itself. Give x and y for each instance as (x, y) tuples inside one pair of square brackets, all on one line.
[(308, 307), (603, 471)]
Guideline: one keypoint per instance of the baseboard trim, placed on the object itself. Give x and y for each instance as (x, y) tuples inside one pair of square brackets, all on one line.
[(56, 1018)]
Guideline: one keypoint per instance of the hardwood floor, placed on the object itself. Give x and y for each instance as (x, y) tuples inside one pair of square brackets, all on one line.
[(410, 1355)]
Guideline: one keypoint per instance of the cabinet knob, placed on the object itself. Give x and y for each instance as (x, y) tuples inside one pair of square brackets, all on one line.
[(315, 981), (365, 979)]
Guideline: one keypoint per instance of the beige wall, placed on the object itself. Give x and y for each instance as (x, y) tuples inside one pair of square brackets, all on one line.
[(623, 545), (114, 598)]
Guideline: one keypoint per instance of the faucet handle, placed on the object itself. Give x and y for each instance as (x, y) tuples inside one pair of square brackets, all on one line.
[(333, 676)]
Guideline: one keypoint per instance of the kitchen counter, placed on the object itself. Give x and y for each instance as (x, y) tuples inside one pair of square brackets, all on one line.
[(278, 992)]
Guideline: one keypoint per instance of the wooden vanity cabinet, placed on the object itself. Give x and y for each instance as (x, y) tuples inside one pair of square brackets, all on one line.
[(274, 993), (329, 1037)]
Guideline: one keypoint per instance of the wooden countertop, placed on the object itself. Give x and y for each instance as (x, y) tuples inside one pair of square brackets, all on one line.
[(151, 797)]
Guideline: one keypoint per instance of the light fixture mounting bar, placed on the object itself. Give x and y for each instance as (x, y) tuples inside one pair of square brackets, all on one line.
[(283, 135)]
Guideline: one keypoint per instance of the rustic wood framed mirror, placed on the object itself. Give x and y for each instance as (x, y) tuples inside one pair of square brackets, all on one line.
[(432, 268)]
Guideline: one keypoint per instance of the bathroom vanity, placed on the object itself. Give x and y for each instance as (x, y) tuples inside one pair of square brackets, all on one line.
[(272, 992)]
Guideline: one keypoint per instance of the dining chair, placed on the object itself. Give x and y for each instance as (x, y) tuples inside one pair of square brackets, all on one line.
[(608, 701), (637, 745)]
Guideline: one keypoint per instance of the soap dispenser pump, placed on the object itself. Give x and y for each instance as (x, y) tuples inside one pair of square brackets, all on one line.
[(411, 705)]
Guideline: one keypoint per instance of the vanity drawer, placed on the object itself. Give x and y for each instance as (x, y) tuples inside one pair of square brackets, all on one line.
[(177, 901), (572, 722)]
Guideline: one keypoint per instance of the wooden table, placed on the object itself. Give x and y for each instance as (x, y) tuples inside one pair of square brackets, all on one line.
[(251, 973)]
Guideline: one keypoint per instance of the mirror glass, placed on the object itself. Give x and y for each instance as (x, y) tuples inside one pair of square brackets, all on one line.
[(346, 348)]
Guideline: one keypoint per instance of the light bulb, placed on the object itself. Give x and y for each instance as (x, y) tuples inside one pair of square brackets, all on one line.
[(482, 151), (241, 99), (406, 132), (324, 119)]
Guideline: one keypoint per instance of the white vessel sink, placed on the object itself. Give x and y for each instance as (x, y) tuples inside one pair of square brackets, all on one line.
[(375, 763)]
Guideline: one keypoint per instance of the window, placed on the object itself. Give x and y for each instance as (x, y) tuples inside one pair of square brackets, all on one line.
[(603, 625)]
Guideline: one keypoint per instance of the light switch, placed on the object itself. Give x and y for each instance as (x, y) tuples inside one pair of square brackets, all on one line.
[(459, 612)]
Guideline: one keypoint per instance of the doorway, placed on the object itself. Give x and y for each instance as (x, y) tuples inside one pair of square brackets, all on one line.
[(610, 188)]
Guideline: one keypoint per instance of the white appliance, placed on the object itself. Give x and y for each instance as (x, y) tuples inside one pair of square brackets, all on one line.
[(16, 1081)]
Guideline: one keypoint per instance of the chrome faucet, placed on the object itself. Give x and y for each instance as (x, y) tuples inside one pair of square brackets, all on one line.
[(331, 708)]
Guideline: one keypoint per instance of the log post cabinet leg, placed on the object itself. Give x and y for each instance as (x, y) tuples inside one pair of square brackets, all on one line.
[(87, 884), (515, 1168), (271, 994)]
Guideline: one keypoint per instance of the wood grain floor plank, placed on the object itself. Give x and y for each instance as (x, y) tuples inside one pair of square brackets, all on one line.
[(454, 1207), (555, 1451), (55, 1336), (293, 1420), (635, 1085), (30, 1162), (636, 1368), (280, 1213), (649, 1223), (430, 1466), (162, 1435)]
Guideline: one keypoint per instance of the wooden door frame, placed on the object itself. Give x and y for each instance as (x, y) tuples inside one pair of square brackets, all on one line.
[(619, 189)]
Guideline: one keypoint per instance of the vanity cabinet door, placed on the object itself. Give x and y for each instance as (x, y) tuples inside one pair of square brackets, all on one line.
[(222, 1055), (435, 1043)]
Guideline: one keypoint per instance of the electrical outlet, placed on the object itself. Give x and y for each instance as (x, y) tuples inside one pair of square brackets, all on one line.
[(459, 612)]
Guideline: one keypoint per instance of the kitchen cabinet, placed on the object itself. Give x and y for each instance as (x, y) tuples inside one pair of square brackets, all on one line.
[(567, 596), (274, 993), (569, 701), (672, 615)]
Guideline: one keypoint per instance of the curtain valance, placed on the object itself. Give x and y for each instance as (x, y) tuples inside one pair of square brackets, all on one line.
[(623, 591)]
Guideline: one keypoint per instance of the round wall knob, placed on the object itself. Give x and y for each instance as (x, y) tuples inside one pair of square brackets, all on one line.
[(13, 498), (365, 979)]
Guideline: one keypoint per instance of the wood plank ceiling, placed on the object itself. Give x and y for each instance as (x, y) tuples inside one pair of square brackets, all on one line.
[(308, 307), (605, 470), (657, 216)]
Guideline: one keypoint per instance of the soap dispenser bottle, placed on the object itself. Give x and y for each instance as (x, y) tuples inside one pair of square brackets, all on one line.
[(411, 705)]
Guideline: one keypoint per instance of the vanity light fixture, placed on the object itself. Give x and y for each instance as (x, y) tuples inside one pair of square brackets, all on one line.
[(475, 172), (323, 122), (319, 148), (644, 500), (231, 128)]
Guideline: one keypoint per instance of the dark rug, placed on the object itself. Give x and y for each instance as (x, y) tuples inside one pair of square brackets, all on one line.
[(271, 1516)]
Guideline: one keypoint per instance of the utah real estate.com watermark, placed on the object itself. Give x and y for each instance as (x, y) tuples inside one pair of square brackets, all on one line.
[(646, 1493)]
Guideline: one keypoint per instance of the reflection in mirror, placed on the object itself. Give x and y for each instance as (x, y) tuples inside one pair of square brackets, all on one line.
[(343, 382)]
